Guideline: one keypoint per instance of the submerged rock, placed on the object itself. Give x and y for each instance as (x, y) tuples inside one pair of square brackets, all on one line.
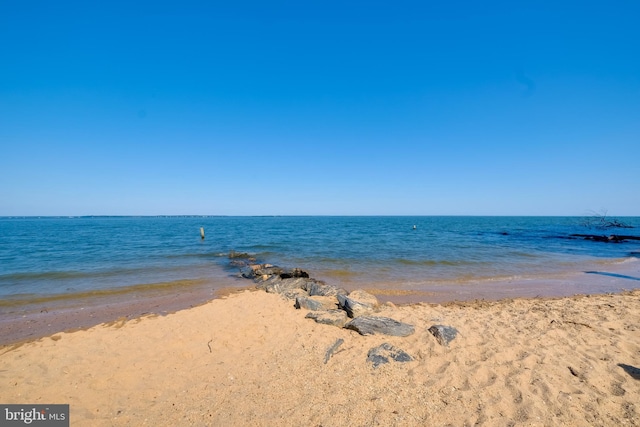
[(369, 325), (381, 354), (444, 334), (293, 273)]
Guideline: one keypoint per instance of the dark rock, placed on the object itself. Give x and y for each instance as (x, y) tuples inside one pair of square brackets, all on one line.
[(368, 325), (267, 282), (316, 303), (322, 289), (294, 293), (613, 238), (381, 354), (330, 317), (331, 350), (296, 272), (279, 286), (444, 334), (358, 303)]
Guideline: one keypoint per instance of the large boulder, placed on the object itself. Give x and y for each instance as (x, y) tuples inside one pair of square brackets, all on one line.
[(322, 289), (282, 285), (330, 317), (358, 303), (316, 303), (369, 325)]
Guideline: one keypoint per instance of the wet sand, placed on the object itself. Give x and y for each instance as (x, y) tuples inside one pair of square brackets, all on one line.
[(29, 322)]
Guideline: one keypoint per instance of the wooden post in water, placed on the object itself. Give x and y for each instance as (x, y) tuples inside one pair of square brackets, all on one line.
[(202, 232)]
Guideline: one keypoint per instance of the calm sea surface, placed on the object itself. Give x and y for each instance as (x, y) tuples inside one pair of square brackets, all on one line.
[(51, 258)]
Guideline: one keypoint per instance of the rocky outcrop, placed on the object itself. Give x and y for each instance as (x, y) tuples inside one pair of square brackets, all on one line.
[(327, 304), (369, 325)]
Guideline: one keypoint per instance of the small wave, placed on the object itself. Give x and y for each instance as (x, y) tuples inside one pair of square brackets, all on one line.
[(198, 255), (28, 299), (431, 262), (340, 273), (45, 275), (74, 275), (617, 261)]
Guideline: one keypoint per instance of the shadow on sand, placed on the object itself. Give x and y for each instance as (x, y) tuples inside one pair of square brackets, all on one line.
[(620, 276), (631, 370)]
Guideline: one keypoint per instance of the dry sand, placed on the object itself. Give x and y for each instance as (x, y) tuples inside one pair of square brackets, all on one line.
[(251, 359)]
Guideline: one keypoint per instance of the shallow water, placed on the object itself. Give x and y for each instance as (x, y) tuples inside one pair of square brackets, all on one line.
[(48, 259)]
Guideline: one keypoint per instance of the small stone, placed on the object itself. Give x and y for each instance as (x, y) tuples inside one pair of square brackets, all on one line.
[(444, 334), (381, 354)]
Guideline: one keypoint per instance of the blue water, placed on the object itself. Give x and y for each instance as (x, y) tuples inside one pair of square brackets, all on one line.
[(69, 257)]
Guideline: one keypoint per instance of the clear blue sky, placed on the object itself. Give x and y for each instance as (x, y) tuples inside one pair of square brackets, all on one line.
[(327, 107)]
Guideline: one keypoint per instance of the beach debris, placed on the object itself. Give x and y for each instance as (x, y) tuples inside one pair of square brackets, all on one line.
[(358, 303), (443, 334), (370, 325), (381, 355), (334, 317), (316, 303), (332, 350)]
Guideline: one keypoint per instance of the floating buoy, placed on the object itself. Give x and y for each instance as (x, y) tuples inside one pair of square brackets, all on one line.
[(202, 232), (414, 227)]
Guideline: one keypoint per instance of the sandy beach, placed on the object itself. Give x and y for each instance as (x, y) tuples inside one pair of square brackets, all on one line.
[(252, 359)]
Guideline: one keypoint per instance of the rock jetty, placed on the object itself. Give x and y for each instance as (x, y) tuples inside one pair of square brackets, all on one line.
[(331, 305)]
